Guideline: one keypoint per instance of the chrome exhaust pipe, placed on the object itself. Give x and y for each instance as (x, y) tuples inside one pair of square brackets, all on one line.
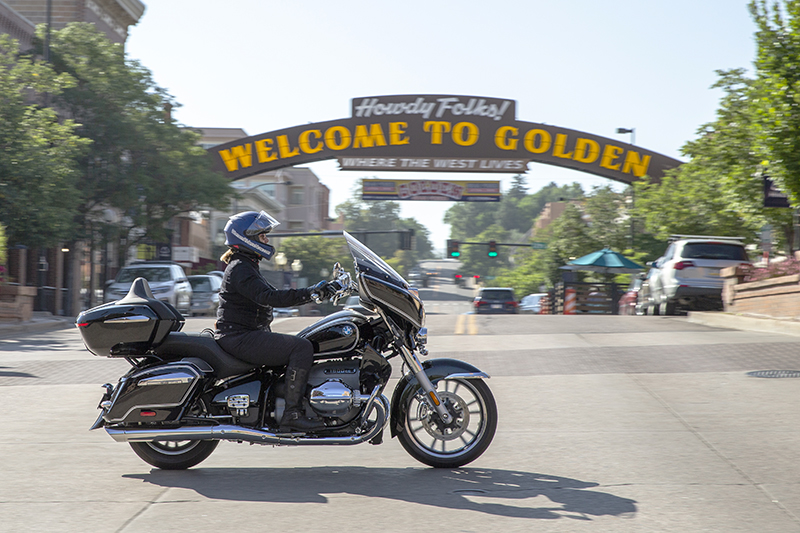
[(255, 436)]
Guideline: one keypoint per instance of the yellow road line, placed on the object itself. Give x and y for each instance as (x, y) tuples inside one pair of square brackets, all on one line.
[(466, 324), (472, 326), (460, 324)]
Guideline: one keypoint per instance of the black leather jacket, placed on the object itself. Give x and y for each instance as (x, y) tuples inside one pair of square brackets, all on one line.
[(246, 299)]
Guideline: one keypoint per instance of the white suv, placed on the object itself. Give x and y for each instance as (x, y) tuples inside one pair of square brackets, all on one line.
[(687, 275), (167, 280)]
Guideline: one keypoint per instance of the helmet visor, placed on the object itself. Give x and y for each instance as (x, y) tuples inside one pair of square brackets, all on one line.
[(263, 223)]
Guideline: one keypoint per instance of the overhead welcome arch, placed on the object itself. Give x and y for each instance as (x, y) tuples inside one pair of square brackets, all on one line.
[(438, 133)]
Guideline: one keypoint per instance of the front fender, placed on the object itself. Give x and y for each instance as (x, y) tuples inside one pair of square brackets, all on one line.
[(436, 370)]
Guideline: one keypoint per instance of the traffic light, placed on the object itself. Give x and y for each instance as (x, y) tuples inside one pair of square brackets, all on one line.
[(492, 249), (452, 248), (407, 240)]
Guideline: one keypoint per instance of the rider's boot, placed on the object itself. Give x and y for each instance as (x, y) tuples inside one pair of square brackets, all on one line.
[(294, 416)]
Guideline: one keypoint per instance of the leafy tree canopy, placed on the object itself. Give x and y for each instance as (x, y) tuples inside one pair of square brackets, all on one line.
[(139, 162), (317, 254), (38, 174), (364, 215)]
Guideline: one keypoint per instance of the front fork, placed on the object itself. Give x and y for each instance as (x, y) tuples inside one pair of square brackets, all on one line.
[(431, 396)]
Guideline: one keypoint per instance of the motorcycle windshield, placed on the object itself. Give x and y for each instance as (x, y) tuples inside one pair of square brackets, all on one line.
[(369, 262), (382, 285)]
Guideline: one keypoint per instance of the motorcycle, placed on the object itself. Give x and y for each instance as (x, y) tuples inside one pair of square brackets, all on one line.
[(184, 394)]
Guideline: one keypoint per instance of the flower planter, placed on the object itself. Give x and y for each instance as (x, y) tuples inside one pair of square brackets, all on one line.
[(16, 302)]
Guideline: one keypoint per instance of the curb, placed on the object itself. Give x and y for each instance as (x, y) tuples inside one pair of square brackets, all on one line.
[(718, 319)]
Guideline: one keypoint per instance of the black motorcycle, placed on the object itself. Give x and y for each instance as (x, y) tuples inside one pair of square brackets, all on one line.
[(184, 394)]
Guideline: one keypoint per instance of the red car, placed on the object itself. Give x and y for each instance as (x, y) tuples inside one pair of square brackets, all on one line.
[(627, 302)]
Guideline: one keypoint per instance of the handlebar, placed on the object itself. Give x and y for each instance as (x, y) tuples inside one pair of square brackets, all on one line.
[(345, 282)]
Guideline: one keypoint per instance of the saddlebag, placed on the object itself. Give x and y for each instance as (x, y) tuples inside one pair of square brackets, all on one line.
[(156, 394)]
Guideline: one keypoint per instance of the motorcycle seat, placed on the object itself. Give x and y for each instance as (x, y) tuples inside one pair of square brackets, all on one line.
[(179, 345)]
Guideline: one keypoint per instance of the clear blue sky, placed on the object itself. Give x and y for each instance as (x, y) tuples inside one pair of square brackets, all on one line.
[(587, 65)]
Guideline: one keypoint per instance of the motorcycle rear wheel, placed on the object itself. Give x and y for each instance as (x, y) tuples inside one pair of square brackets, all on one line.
[(174, 455), (475, 421)]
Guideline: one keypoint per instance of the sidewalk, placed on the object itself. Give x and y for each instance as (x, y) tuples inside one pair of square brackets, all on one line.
[(719, 319), (41, 321), (44, 321)]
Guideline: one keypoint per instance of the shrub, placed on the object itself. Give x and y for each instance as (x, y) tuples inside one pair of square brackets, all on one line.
[(774, 270)]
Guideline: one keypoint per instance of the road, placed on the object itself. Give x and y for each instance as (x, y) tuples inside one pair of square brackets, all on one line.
[(607, 423)]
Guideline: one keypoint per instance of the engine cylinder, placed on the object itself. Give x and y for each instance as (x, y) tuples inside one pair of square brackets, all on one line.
[(332, 398)]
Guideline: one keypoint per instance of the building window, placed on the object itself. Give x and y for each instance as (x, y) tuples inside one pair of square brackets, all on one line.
[(296, 226), (268, 189), (296, 196)]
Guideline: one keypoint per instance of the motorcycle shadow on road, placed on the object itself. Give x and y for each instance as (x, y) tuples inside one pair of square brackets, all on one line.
[(473, 489)]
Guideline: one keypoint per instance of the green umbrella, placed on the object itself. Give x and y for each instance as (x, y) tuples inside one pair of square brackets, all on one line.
[(605, 261)]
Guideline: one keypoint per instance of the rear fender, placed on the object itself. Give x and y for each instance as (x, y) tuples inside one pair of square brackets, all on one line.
[(436, 370)]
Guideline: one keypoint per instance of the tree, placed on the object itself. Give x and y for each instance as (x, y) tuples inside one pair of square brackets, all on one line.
[(140, 161), (317, 254), (474, 257), (38, 174), (469, 219), (719, 190), (569, 238), (359, 214), (606, 223), (778, 89), (516, 210)]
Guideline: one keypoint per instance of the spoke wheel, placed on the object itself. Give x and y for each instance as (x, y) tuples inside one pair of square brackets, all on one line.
[(474, 413)]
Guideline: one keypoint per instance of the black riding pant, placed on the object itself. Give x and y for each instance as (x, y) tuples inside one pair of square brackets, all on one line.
[(265, 348)]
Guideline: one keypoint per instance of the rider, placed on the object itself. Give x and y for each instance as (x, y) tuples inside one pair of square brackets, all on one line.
[(246, 300)]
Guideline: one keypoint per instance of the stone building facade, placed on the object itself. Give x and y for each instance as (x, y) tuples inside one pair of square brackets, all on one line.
[(112, 17)]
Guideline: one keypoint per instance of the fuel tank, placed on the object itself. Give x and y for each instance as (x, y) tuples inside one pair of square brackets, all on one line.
[(335, 334)]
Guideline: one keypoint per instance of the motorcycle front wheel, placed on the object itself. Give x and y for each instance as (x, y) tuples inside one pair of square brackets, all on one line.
[(174, 455), (426, 438)]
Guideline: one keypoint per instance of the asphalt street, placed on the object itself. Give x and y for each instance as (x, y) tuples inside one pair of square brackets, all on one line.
[(623, 424)]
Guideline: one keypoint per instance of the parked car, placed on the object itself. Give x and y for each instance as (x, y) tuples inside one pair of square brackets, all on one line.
[(688, 273), (205, 294), (644, 299), (167, 281), (629, 301), (285, 312), (415, 276), (218, 273), (495, 300), (532, 303)]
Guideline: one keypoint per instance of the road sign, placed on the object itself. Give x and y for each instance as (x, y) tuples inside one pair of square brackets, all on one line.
[(539, 245)]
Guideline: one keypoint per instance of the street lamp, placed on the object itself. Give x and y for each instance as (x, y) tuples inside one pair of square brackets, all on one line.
[(632, 131), (297, 267), (280, 262)]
